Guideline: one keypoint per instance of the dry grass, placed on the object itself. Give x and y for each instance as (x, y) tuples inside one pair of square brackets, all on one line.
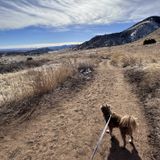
[(20, 92), (147, 79), (151, 78), (85, 64), (147, 85), (16, 86), (16, 66), (125, 60), (31, 82)]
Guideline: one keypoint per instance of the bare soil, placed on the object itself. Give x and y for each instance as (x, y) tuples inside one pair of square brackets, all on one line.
[(67, 123)]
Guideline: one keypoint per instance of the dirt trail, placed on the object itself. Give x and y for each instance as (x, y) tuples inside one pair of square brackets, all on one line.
[(69, 129)]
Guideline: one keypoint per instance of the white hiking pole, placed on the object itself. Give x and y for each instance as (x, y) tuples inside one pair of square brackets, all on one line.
[(100, 139)]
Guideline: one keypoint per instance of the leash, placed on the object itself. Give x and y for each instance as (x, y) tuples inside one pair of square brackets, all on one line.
[(100, 139)]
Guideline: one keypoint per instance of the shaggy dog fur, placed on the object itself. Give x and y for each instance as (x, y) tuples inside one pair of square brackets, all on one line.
[(127, 124)]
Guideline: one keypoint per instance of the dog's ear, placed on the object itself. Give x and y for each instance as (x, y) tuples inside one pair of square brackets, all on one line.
[(101, 106), (108, 106)]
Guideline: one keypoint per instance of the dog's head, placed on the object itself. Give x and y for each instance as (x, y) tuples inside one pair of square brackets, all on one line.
[(105, 109)]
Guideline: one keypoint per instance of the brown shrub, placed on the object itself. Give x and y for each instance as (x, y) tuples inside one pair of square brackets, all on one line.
[(149, 41)]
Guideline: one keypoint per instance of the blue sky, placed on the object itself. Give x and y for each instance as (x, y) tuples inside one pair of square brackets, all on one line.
[(28, 23), (38, 35)]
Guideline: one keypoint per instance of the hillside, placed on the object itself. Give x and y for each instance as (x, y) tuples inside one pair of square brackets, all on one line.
[(154, 35), (131, 34)]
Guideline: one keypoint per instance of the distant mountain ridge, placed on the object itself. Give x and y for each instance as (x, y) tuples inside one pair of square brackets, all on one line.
[(137, 31), (33, 51)]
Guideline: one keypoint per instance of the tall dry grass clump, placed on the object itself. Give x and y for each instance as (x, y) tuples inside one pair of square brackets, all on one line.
[(125, 60), (27, 83), (83, 65)]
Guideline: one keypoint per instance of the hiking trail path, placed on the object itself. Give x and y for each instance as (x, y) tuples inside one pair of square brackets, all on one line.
[(70, 125)]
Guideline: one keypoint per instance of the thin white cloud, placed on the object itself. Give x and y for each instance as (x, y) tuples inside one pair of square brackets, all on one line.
[(41, 45), (15, 14)]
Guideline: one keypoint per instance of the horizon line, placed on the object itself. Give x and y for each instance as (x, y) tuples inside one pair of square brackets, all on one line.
[(38, 45)]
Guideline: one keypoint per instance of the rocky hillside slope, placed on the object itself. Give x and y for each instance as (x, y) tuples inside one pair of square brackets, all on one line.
[(137, 31)]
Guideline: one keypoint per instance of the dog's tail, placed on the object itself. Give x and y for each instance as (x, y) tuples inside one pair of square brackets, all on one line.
[(129, 122)]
